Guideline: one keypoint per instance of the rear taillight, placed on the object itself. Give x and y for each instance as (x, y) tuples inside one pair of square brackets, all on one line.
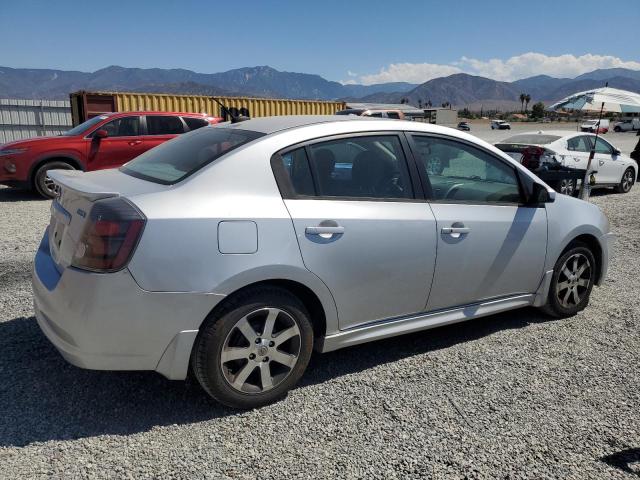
[(110, 236), (531, 157)]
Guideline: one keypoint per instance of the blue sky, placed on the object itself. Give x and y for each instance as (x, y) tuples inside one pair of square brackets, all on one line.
[(357, 41)]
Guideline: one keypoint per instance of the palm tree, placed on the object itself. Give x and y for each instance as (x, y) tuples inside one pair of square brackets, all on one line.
[(527, 99), (419, 103), (522, 97)]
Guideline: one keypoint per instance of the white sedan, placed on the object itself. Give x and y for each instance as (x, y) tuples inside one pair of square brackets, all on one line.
[(558, 149)]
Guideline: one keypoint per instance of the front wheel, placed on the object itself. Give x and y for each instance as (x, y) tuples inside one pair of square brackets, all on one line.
[(573, 277), (41, 181), (617, 129), (255, 350), (627, 181)]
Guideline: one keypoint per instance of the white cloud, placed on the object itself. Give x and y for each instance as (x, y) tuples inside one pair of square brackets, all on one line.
[(514, 68), (409, 72), (530, 64)]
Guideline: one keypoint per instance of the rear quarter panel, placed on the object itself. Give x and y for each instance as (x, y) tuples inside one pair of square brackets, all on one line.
[(179, 249)]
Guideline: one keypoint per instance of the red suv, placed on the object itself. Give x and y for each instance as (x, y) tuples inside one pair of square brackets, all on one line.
[(105, 141)]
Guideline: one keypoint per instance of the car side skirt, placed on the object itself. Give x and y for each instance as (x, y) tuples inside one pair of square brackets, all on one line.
[(424, 321)]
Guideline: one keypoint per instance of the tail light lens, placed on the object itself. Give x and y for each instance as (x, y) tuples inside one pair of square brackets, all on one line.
[(110, 236), (531, 157)]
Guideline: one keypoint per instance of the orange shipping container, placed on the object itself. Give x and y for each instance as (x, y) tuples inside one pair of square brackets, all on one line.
[(85, 105)]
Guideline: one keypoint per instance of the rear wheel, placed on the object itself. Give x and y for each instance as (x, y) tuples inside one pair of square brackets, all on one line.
[(627, 181), (255, 350), (617, 129), (572, 281), (42, 183), (567, 186)]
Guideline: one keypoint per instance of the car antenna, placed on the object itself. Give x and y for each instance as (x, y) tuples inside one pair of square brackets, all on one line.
[(227, 111)]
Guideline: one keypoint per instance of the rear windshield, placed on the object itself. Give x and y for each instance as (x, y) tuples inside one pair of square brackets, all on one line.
[(532, 139), (176, 159)]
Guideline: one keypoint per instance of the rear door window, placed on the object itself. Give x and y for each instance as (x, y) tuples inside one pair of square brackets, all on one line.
[(296, 166), (164, 125), (367, 167), (579, 144)]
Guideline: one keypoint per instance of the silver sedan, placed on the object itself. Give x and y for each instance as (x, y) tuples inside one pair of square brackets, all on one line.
[(235, 250)]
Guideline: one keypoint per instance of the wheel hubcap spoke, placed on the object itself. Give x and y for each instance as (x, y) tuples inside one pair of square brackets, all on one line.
[(286, 335), (265, 376), (267, 331), (243, 374), (246, 329), (283, 358), (230, 354)]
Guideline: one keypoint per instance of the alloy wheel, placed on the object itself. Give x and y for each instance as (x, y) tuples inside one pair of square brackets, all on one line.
[(49, 186), (576, 272), (627, 181), (260, 351), (567, 187)]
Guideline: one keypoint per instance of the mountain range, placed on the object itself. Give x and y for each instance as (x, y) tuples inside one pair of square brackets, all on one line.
[(461, 90), (474, 92)]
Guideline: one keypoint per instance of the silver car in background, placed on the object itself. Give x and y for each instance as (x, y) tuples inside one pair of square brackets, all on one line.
[(235, 250)]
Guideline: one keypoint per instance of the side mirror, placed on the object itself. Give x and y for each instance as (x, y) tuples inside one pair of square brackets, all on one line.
[(616, 152), (540, 194), (101, 134)]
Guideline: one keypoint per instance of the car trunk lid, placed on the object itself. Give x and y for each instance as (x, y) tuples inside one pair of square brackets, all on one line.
[(77, 193)]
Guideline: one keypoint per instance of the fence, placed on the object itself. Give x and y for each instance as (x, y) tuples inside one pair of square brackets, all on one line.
[(33, 118)]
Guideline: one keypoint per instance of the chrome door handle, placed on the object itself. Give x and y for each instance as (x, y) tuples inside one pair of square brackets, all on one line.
[(323, 230), (452, 230)]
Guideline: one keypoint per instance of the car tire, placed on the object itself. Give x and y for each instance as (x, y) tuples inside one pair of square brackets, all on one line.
[(42, 184), (617, 129), (626, 182), (569, 277), (567, 186), (243, 372)]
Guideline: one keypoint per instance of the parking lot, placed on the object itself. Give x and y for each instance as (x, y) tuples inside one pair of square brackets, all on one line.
[(515, 395)]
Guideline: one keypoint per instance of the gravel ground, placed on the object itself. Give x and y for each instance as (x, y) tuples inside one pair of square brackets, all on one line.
[(512, 396)]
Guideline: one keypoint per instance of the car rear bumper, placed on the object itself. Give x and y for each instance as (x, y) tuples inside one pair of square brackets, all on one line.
[(107, 322), (606, 242)]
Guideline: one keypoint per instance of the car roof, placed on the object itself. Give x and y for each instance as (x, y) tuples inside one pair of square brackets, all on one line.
[(269, 125), (151, 112), (563, 134)]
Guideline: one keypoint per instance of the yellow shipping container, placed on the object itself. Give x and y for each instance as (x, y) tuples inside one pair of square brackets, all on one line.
[(85, 105)]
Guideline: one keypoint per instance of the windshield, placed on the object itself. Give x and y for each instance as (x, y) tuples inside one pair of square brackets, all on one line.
[(85, 126), (176, 159), (532, 139)]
